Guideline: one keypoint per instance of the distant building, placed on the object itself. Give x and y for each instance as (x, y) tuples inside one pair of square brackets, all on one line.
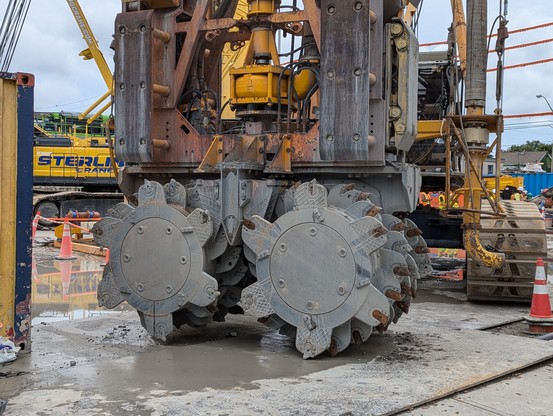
[(522, 161)]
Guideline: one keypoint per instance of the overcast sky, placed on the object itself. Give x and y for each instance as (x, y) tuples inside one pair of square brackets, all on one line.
[(51, 41)]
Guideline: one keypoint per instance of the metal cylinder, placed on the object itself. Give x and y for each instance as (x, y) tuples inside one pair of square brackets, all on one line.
[(477, 14)]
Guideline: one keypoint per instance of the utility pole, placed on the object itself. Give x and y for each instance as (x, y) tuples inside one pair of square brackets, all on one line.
[(549, 105)]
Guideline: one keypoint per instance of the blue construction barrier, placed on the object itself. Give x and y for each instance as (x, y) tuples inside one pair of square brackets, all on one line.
[(535, 182)]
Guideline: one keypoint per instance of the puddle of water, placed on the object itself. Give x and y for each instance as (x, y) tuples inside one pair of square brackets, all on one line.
[(65, 290)]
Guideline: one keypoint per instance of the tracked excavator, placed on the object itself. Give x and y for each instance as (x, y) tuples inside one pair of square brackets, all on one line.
[(296, 209)]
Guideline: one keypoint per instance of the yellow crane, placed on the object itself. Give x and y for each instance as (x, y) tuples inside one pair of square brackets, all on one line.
[(93, 52)]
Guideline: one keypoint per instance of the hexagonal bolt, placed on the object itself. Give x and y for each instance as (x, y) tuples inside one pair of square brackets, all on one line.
[(309, 305), (343, 252), (341, 290), (127, 258), (313, 232), (396, 29), (283, 247), (140, 287), (169, 230), (309, 323), (212, 292), (169, 289), (281, 283), (140, 230), (183, 260)]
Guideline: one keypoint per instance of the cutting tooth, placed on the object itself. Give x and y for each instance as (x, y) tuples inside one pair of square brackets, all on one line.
[(372, 235), (151, 191), (254, 302), (256, 233), (403, 306), (314, 341), (360, 331), (392, 294), (406, 290), (341, 338)]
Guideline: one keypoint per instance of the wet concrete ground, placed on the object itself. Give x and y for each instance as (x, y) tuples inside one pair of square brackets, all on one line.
[(87, 361)]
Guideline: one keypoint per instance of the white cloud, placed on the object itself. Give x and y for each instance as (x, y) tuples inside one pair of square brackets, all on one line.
[(49, 48)]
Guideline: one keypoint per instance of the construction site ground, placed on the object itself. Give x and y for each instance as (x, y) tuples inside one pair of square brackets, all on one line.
[(436, 360)]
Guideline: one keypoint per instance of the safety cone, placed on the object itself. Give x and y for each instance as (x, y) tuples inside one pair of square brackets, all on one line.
[(35, 226), (106, 259), (66, 268), (540, 317), (66, 250)]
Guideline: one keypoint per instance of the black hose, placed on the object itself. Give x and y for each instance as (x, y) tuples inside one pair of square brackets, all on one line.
[(546, 337)]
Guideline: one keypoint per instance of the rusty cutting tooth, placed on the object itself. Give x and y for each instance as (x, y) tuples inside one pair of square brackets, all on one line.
[(392, 294), (379, 231), (357, 338), (333, 349), (349, 187), (406, 290), (381, 317), (399, 227), (402, 271), (403, 306), (381, 328), (363, 196), (250, 225), (413, 232), (421, 250), (374, 211)]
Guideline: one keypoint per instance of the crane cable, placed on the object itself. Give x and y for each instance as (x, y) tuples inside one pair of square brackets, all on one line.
[(12, 23), (541, 61), (511, 32)]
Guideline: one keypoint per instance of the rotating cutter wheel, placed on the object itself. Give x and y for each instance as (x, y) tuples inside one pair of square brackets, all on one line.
[(325, 271), (157, 259)]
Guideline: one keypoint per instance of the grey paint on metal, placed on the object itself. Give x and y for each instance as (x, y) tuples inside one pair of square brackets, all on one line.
[(157, 258), (133, 79), (292, 252), (322, 272), (344, 83)]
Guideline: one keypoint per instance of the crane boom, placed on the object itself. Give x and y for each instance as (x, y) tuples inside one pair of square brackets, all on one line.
[(93, 51)]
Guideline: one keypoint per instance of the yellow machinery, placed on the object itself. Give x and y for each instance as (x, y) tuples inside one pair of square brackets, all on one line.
[(297, 210), (72, 172)]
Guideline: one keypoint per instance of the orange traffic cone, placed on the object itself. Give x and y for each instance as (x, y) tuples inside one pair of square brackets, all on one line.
[(540, 318), (66, 250), (541, 307), (35, 226), (106, 259), (66, 268)]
